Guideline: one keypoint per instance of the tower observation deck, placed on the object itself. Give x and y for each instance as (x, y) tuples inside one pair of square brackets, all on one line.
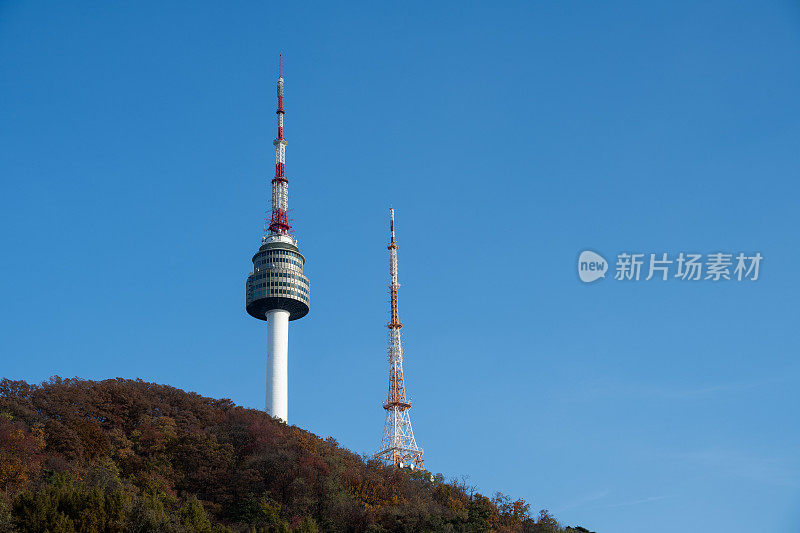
[(277, 291)]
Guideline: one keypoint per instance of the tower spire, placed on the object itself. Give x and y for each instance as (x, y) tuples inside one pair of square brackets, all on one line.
[(398, 446), (279, 220), (395, 323)]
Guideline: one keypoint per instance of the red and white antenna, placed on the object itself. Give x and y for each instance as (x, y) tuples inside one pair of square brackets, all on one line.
[(279, 221)]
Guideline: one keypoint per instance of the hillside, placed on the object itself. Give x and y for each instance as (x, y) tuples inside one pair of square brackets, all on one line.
[(124, 455)]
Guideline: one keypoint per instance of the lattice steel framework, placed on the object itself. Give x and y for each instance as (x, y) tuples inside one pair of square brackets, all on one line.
[(398, 446), (279, 220)]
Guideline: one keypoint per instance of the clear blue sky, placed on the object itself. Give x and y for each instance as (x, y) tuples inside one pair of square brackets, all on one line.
[(136, 149)]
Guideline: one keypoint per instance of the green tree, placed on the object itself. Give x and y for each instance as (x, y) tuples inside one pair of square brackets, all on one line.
[(479, 513), (546, 523), (261, 511), (193, 516), (6, 520), (66, 506), (308, 525)]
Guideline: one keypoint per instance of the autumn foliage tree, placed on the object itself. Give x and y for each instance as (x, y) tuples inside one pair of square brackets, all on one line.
[(125, 455)]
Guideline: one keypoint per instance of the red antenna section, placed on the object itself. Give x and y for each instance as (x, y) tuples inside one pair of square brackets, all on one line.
[(279, 220)]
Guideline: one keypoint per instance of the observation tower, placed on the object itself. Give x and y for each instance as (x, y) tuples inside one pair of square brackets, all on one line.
[(276, 289)]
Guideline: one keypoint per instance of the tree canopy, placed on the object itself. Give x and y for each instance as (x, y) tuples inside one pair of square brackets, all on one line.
[(126, 455)]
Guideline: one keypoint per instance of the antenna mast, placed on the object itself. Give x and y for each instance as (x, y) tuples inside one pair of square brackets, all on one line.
[(279, 221), (398, 446)]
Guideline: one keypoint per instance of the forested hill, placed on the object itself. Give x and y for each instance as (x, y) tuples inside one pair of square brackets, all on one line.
[(124, 455)]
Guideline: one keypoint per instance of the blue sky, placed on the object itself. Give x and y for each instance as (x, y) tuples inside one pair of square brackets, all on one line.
[(136, 154)]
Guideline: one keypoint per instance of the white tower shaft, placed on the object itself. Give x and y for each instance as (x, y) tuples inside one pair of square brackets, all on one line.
[(277, 364)]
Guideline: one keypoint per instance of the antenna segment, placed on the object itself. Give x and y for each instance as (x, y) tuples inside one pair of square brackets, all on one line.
[(398, 446), (279, 221)]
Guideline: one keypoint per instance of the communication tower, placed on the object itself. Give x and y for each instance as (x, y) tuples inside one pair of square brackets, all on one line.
[(398, 446), (276, 289)]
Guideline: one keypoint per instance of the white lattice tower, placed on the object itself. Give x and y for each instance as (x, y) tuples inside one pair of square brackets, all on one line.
[(398, 446)]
